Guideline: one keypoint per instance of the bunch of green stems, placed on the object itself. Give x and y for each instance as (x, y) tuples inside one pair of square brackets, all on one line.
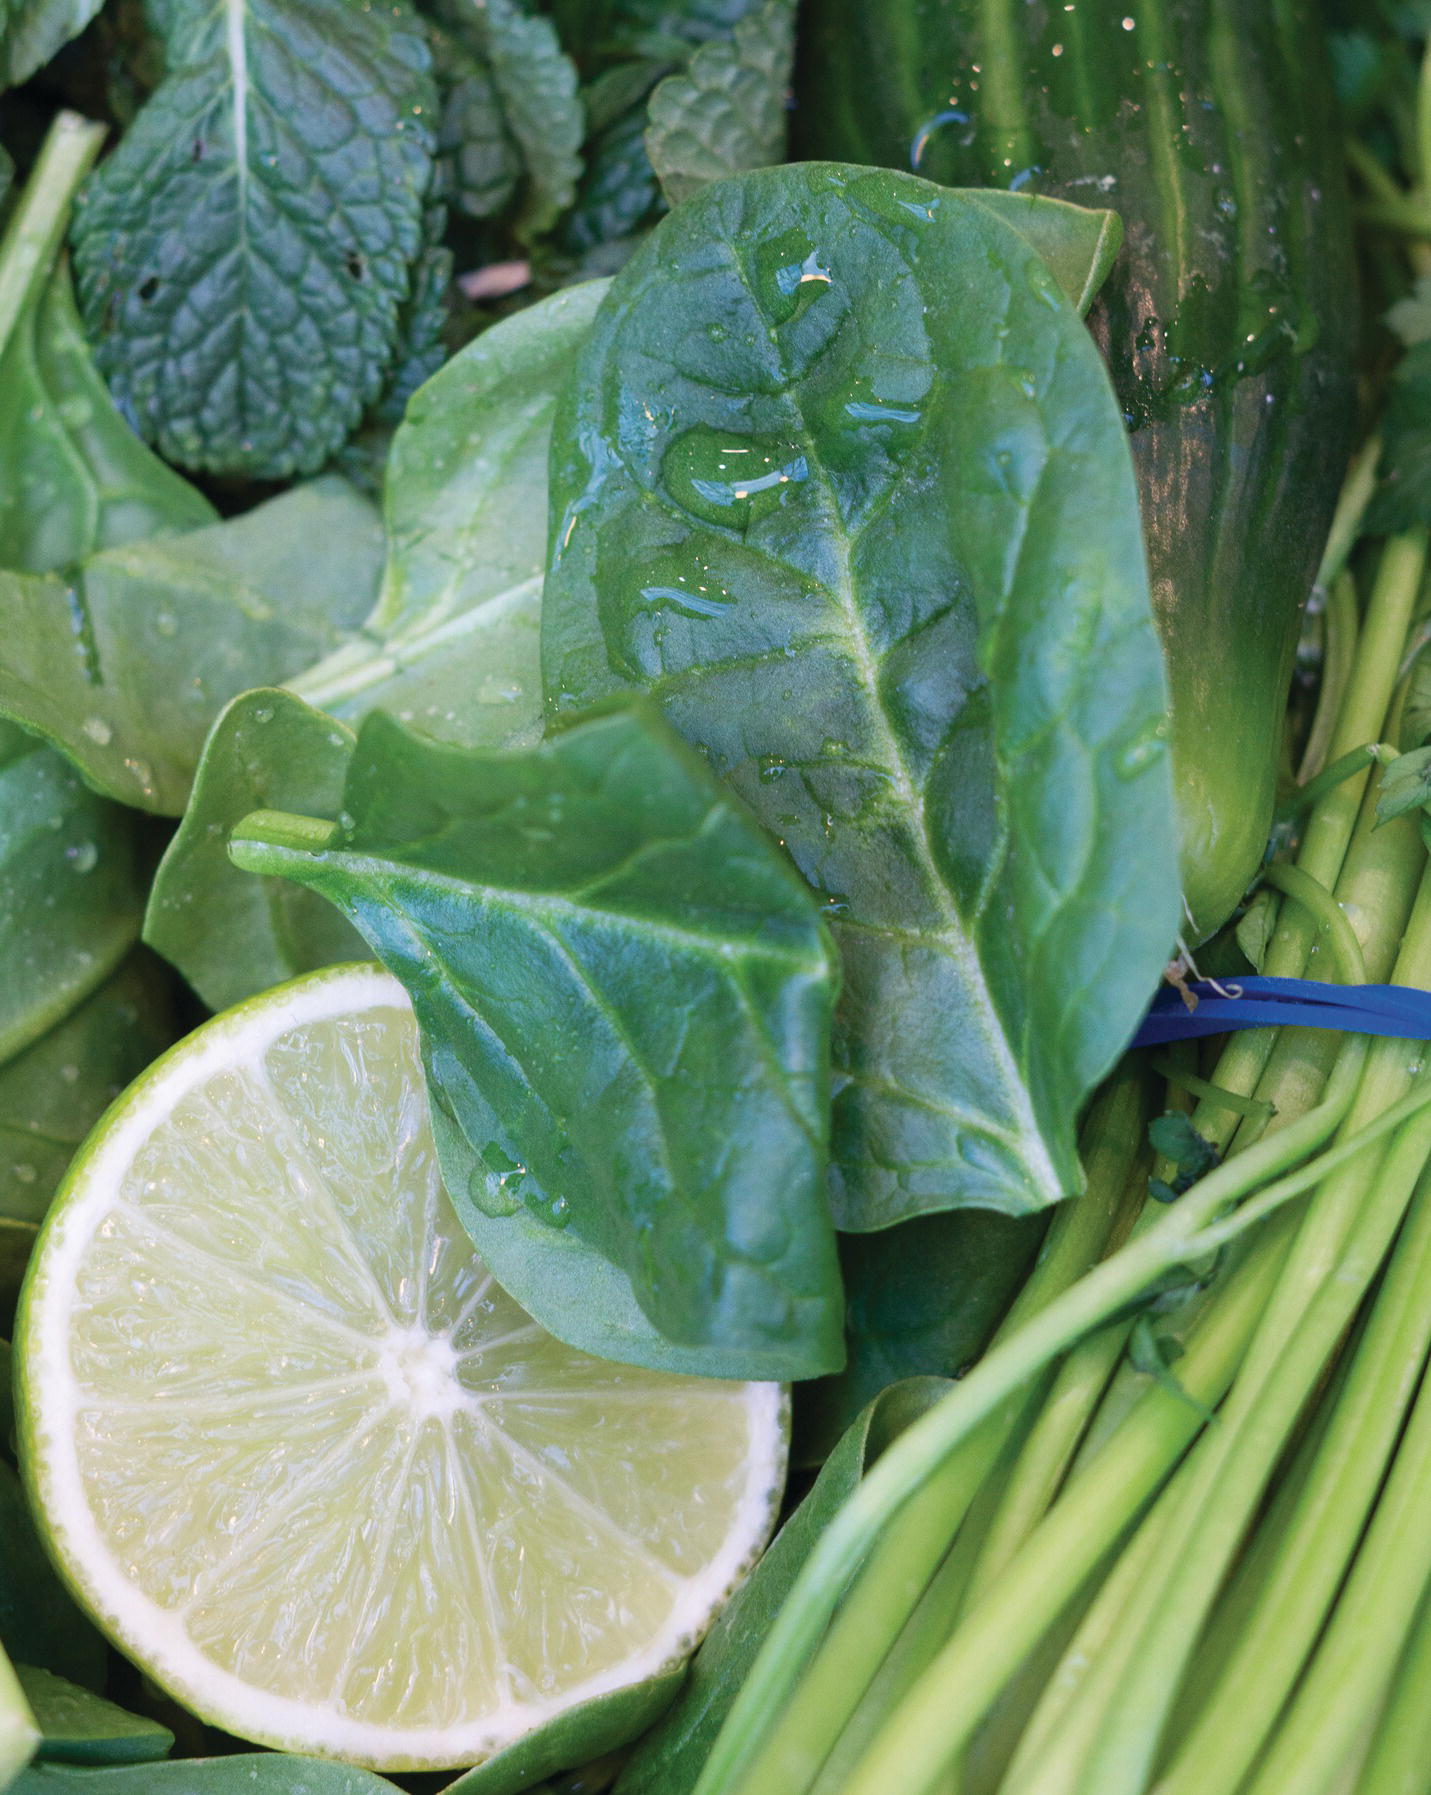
[(1074, 1578)]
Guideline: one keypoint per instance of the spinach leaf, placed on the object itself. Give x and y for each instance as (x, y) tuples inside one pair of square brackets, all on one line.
[(244, 255), (840, 479), (669, 1758), (55, 1090), (79, 1727), (624, 996), (244, 1773), (73, 476), (228, 933), (125, 669), (453, 642), (726, 110), (32, 31), (70, 889), (921, 1299)]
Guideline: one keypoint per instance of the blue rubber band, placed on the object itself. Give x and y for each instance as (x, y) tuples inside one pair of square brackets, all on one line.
[(1225, 1006)]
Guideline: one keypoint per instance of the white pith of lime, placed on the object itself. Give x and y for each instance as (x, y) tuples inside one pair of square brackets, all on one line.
[(306, 1462)]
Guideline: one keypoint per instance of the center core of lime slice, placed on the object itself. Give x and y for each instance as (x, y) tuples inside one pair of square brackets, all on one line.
[(307, 1462)]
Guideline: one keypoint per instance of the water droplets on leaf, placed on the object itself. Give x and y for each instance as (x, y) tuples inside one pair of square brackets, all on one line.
[(733, 480), (791, 276)]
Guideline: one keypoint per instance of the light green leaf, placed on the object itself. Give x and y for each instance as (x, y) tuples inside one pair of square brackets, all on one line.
[(70, 889), (453, 645), (244, 255), (32, 31), (229, 933), (1405, 785), (725, 111), (624, 998), (80, 1727), (840, 478), (18, 1733), (577, 1737), (73, 476), (55, 1090), (126, 669)]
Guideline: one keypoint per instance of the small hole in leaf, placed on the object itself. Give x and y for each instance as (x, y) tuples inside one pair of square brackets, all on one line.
[(196, 153), (148, 289), (355, 264)]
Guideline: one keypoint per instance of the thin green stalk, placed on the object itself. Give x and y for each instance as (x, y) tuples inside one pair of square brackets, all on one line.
[(1109, 1287), (1312, 793), (1180, 1079), (908, 1553), (1341, 624), (1317, 1540), (1357, 1659), (1400, 1758), (37, 226)]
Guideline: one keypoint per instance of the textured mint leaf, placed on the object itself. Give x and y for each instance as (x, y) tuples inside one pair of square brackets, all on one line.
[(725, 111), (230, 934), (840, 479), (535, 85), (74, 477), (624, 996), (452, 645), (125, 667), (32, 31), (619, 189), (244, 255), (421, 349)]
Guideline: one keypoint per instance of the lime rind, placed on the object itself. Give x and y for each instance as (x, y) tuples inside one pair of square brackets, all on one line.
[(397, 1375)]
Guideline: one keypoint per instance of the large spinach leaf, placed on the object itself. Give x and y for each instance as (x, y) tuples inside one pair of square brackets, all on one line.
[(70, 889), (31, 31), (625, 998), (840, 479), (244, 255), (125, 668), (452, 645)]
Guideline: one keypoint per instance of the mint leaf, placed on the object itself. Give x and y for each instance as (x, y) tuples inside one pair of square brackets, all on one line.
[(32, 31), (725, 111), (624, 995), (481, 165), (243, 257), (839, 478)]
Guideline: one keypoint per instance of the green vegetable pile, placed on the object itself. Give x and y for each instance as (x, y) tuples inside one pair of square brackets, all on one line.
[(778, 657)]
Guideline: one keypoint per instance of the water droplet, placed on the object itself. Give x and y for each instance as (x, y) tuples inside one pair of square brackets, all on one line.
[(559, 1212), (865, 412), (70, 1074), (98, 731), (696, 603), (263, 714), (346, 820), (791, 276), (951, 115), (1137, 755), (24, 1174), (732, 480), (166, 623), (82, 856)]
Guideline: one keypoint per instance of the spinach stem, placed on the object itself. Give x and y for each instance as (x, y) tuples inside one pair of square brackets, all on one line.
[(1338, 657), (1305, 796), (1401, 1749), (37, 227)]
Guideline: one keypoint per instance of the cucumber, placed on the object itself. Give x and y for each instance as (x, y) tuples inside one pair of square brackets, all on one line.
[(1228, 322)]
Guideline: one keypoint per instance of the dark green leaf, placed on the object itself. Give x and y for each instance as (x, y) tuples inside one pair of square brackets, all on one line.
[(79, 1727), (840, 478), (481, 164), (31, 31), (453, 645), (243, 257), (668, 1760), (619, 189), (1255, 928), (421, 348), (227, 932), (7, 1400), (1403, 499), (576, 1737), (725, 111), (39, 1624), (17, 1243), (1405, 785), (535, 83), (1154, 1354), (1174, 1136), (921, 1299), (126, 669), (245, 1773), (53, 1092), (73, 476), (70, 889), (624, 997)]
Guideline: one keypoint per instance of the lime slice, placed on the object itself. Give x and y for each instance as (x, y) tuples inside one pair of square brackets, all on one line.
[(300, 1455)]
